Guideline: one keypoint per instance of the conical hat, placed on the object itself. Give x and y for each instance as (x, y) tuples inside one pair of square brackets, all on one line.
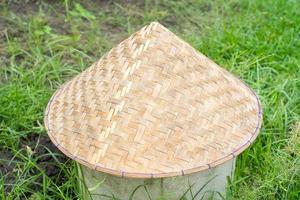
[(153, 107)]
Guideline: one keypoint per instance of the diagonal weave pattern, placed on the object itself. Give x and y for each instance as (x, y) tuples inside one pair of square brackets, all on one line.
[(153, 107)]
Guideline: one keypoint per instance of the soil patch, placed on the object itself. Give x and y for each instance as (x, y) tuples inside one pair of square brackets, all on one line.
[(42, 150)]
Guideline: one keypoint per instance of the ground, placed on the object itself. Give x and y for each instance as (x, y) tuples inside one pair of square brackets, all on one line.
[(45, 43)]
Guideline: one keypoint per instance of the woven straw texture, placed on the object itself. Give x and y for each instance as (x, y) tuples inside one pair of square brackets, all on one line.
[(153, 107)]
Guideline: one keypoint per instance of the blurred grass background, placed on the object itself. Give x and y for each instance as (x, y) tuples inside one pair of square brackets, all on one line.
[(44, 43)]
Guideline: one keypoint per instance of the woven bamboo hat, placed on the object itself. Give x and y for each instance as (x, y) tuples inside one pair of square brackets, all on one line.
[(153, 107)]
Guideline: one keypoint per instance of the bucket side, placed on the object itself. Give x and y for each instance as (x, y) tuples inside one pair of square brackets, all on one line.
[(204, 183)]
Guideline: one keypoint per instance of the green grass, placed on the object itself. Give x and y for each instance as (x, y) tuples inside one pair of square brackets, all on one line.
[(42, 45)]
